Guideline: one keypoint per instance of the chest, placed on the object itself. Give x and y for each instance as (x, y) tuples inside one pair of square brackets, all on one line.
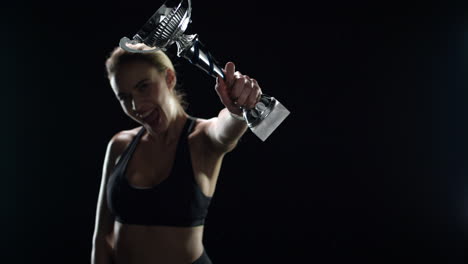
[(150, 165)]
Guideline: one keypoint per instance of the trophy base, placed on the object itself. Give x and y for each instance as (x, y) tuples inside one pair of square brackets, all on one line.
[(265, 118)]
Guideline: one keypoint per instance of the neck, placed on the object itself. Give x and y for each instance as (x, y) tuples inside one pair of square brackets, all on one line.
[(176, 121), (173, 131)]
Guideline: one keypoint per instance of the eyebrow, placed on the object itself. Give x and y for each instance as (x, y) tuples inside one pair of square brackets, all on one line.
[(135, 86)]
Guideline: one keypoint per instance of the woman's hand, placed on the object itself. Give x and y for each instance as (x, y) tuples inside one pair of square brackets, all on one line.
[(237, 91)]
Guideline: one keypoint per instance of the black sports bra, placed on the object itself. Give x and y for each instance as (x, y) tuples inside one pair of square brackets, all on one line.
[(176, 201)]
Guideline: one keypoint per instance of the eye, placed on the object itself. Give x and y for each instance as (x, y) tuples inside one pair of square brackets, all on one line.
[(142, 87)]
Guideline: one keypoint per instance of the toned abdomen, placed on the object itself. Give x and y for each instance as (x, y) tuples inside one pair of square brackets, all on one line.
[(156, 244)]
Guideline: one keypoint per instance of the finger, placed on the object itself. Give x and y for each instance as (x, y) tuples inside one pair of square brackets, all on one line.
[(223, 93), (253, 99), (220, 83), (238, 86), (230, 69), (246, 91), (254, 96), (256, 86)]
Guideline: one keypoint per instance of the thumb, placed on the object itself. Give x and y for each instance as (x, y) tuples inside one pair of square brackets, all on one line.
[(230, 69)]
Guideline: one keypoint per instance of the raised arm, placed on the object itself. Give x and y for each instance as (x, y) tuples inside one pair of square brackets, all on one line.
[(102, 238), (235, 92)]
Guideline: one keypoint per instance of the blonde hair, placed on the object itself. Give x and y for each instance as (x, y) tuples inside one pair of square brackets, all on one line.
[(157, 59)]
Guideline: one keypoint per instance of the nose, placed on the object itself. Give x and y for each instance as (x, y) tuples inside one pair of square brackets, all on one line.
[(134, 105), (139, 107)]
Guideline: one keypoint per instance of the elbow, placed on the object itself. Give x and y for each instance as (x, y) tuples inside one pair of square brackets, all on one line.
[(101, 251), (100, 240)]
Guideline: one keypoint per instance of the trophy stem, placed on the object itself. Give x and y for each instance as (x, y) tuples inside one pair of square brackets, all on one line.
[(190, 48)]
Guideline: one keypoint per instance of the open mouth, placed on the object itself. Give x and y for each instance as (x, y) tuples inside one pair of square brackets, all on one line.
[(151, 117)]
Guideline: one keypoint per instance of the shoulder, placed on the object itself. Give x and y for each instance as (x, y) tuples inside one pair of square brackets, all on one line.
[(119, 142), (199, 126), (198, 129)]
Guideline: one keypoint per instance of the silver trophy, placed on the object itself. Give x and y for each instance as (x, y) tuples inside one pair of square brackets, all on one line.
[(167, 26)]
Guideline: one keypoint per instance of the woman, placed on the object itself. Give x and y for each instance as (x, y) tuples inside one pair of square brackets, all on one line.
[(158, 178)]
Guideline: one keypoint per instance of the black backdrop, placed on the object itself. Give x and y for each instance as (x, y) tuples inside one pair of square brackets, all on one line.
[(370, 166)]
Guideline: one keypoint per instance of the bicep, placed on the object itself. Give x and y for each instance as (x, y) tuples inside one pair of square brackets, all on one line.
[(213, 138)]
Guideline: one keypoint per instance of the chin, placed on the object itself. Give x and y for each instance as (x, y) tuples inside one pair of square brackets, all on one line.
[(160, 129), (151, 131)]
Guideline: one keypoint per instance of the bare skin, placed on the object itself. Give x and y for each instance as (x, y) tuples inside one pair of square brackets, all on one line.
[(141, 90), (163, 244)]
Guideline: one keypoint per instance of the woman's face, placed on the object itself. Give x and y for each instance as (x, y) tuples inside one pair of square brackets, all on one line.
[(145, 94)]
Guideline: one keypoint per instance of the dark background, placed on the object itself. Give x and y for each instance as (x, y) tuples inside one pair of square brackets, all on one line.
[(369, 167)]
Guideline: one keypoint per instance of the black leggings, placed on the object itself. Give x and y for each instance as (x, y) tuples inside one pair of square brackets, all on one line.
[(203, 259)]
